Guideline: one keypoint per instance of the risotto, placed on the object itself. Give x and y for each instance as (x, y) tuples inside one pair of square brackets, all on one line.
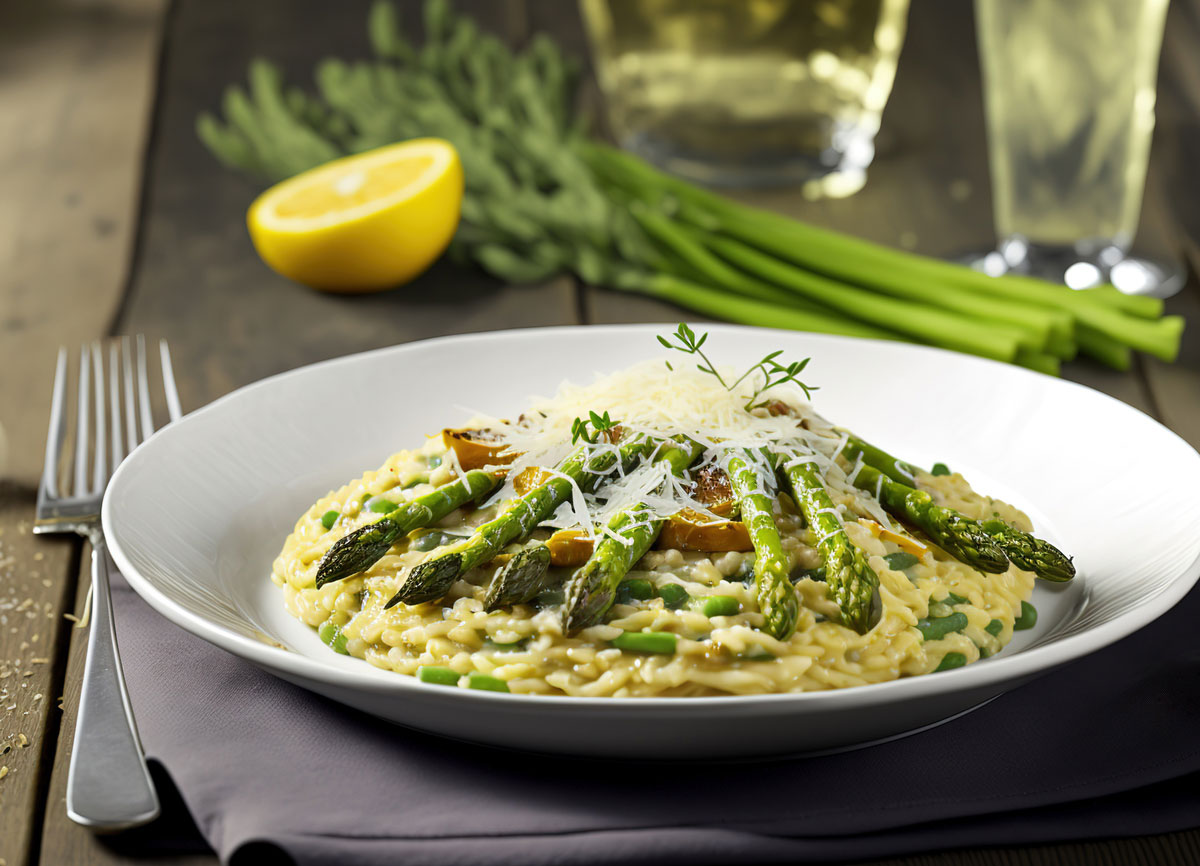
[(657, 533)]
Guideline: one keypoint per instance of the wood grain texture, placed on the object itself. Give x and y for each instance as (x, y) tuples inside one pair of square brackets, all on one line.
[(61, 840), (33, 592), (76, 80)]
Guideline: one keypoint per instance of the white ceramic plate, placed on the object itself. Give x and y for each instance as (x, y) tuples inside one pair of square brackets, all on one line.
[(196, 515)]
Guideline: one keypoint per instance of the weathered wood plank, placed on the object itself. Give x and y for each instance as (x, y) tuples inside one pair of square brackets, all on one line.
[(63, 841), (74, 103), (33, 592)]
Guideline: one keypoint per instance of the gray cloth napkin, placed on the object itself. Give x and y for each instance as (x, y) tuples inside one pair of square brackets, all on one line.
[(1104, 747)]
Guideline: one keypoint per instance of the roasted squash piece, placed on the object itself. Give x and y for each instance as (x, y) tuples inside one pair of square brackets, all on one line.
[(690, 530), (569, 548), (476, 449)]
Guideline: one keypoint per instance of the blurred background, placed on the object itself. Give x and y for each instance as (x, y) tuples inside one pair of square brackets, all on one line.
[(862, 116)]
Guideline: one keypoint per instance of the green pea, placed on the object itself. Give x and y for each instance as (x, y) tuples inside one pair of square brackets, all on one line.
[(900, 560), (635, 588), (950, 661), (435, 461), (719, 605), (646, 642), (476, 680), (994, 628), (673, 595), (1027, 619), (332, 635), (939, 469), (329, 518), (936, 629), (436, 675), (380, 505), (951, 598)]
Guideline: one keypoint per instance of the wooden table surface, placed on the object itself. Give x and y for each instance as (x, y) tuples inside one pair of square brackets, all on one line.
[(114, 220)]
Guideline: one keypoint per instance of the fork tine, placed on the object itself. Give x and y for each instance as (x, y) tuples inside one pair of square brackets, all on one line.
[(131, 436), (81, 426), (58, 427), (100, 450), (168, 375), (114, 404), (144, 389)]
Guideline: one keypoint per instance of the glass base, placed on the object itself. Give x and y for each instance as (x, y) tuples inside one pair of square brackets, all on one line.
[(1134, 276), (836, 172)]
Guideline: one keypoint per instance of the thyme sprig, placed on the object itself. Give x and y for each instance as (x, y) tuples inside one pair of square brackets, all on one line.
[(773, 373), (600, 424)]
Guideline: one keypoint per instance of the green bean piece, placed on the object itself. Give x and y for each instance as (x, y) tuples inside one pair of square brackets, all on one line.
[(939, 469), (994, 628), (381, 505), (476, 680), (950, 661), (420, 479), (635, 588), (939, 627), (900, 560), (939, 609), (985, 653), (329, 518), (646, 642), (1027, 619), (332, 635), (673, 595), (437, 676), (719, 605), (952, 598)]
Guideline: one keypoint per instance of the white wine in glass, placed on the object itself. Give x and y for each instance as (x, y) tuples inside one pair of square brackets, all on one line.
[(749, 92), (1069, 92)]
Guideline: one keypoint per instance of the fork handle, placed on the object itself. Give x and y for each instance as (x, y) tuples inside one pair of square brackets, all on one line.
[(108, 783)]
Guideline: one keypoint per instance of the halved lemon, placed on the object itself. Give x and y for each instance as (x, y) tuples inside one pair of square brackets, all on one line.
[(365, 222)]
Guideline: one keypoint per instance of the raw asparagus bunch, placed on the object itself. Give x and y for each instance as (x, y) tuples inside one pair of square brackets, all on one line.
[(850, 580), (433, 578), (777, 600), (362, 548), (986, 545), (591, 589)]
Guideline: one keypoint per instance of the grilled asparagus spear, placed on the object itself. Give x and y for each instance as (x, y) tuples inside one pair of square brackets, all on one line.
[(366, 545), (849, 580), (776, 596), (591, 589), (432, 578), (971, 537), (519, 579)]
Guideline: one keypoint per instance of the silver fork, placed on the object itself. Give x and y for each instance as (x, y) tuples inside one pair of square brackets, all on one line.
[(108, 784)]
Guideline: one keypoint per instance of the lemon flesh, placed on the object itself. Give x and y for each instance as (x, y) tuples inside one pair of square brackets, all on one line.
[(362, 223)]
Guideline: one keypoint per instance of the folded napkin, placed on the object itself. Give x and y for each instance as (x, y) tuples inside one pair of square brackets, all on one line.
[(1101, 748)]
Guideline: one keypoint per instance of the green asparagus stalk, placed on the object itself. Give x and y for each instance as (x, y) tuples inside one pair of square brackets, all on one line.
[(850, 581), (1029, 552), (961, 537), (884, 474), (362, 548), (591, 589), (431, 579), (776, 596), (519, 579)]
